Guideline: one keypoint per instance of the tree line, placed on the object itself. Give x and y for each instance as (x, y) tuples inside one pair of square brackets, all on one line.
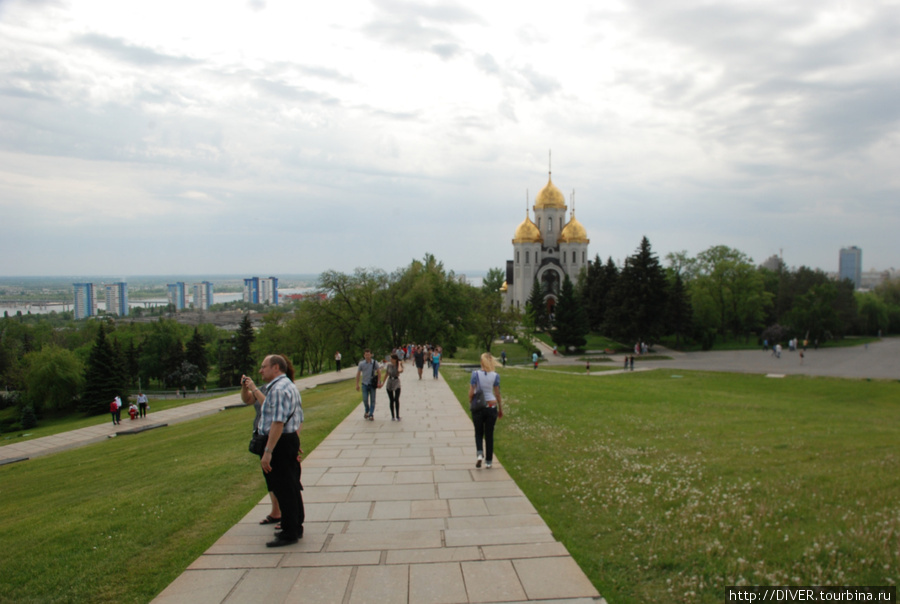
[(58, 365), (717, 295)]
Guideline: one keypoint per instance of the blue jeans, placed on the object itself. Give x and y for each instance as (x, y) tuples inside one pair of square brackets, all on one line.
[(369, 398), (435, 367)]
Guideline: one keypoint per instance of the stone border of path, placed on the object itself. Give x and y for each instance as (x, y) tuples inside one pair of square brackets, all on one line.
[(396, 512)]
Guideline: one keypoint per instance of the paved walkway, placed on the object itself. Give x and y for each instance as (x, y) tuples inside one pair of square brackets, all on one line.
[(396, 512), (878, 360), (77, 438)]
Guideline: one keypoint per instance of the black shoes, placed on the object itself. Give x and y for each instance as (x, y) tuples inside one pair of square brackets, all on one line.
[(281, 542)]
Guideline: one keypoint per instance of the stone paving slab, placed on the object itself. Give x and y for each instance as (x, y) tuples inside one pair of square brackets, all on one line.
[(396, 512)]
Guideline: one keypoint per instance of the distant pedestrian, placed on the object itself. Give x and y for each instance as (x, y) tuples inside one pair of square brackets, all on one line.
[(392, 384), (631, 362), (436, 360), (114, 410), (587, 365), (503, 357), (801, 357), (337, 360), (534, 359), (626, 363), (419, 357), (368, 371), (118, 410), (142, 404)]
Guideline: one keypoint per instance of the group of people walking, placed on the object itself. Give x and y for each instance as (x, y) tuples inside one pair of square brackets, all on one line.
[(279, 419)]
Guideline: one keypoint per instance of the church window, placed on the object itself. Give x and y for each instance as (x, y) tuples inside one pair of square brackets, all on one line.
[(539, 223), (517, 257), (560, 223), (582, 257), (550, 226), (527, 259)]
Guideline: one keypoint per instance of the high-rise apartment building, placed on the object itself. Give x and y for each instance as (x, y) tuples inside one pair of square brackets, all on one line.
[(203, 295), (117, 298), (176, 294), (85, 300), (261, 291), (850, 265)]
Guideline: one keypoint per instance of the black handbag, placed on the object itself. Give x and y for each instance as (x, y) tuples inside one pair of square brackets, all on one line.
[(477, 403), (373, 381), (258, 443)]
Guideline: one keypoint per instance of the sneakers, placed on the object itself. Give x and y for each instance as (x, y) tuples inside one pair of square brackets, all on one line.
[(487, 464), (479, 460)]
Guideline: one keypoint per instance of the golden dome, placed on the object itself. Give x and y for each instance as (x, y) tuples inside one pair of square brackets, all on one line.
[(504, 288), (550, 197), (527, 232), (573, 232)]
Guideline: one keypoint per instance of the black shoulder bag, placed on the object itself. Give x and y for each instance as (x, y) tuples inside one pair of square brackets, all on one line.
[(477, 403)]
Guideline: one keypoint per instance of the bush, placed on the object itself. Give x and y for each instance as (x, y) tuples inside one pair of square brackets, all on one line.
[(29, 419)]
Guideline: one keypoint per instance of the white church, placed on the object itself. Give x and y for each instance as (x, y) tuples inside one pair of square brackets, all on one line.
[(547, 248)]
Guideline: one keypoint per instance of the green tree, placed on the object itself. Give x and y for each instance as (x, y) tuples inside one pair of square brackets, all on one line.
[(488, 319), (536, 308), (54, 378), (729, 292), (636, 309), (161, 352), (873, 313), (244, 363), (571, 325), (494, 280), (102, 379), (195, 354), (679, 312)]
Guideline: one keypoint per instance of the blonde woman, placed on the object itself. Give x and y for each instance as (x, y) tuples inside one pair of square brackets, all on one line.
[(484, 419)]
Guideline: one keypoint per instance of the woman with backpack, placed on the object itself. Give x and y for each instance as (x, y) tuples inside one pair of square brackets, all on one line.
[(486, 408)]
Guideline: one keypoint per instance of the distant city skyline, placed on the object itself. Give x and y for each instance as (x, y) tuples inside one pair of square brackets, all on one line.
[(368, 133)]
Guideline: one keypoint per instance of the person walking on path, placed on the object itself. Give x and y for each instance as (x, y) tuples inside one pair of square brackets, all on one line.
[(371, 381), (337, 360), (534, 359), (118, 409), (392, 384), (114, 410), (436, 360), (485, 419), (419, 357), (142, 404), (281, 417)]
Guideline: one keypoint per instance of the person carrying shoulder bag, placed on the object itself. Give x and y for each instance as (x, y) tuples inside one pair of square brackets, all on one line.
[(486, 383)]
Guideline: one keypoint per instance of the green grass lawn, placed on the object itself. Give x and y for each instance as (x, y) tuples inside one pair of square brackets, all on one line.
[(119, 520), (669, 489)]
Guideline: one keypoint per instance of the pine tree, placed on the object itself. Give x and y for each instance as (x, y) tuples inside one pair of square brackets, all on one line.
[(571, 325), (196, 354), (536, 308), (102, 377), (636, 309), (243, 359)]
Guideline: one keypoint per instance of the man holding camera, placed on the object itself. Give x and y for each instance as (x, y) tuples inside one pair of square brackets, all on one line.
[(280, 418), (371, 382)]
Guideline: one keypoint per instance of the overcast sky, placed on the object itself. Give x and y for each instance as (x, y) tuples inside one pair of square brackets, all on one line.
[(269, 136)]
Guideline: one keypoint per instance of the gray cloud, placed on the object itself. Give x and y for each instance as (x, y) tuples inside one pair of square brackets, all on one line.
[(137, 55), (420, 27)]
